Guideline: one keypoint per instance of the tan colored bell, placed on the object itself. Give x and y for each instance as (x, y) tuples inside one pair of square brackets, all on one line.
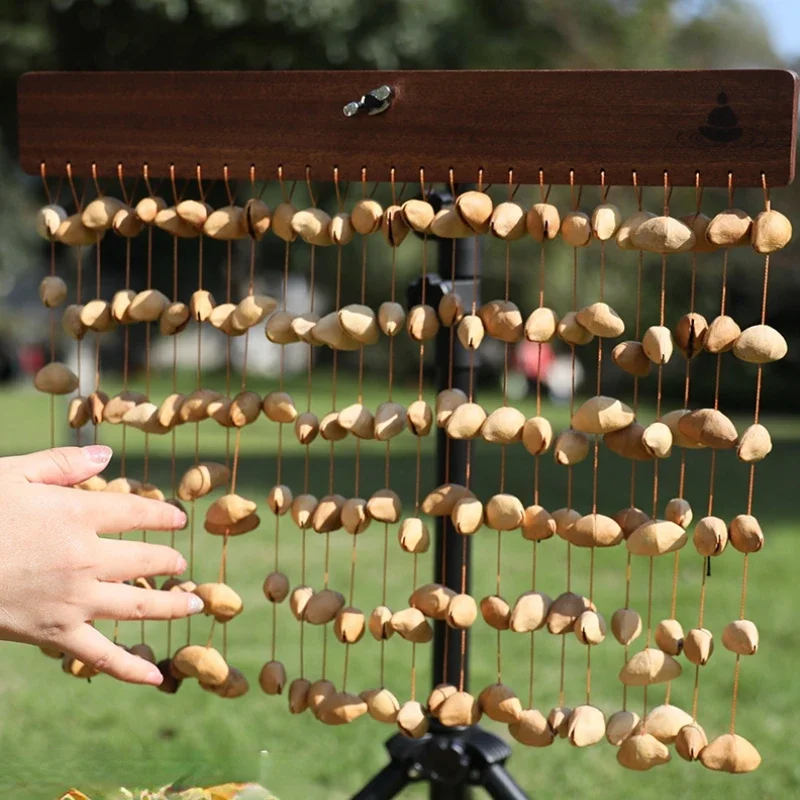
[(446, 402), (475, 210), (432, 599), (564, 612), (587, 726), (530, 612), (508, 221), (690, 741), (411, 625), (532, 729), (642, 752), (442, 499), (601, 320), (412, 720), (323, 606), (385, 506), (462, 611), (327, 516), (627, 228), (537, 435), (413, 535), (503, 426), (629, 443), (355, 517), (459, 709), (496, 612), (730, 753), (543, 222), (541, 325), (500, 703), (698, 646), (665, 721), (710, 536), (620, 725), (418, 215), (537, 524), (629, 519), (382, 705), (504, 512), (669, 637), (379, 623), (745, 534), (600, 414), (438, 695), (467, 515), (656, 538), (419, 418), (630, 357), (649, 666)]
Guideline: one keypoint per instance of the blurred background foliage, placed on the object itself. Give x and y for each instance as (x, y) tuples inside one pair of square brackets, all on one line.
[(398, 34)]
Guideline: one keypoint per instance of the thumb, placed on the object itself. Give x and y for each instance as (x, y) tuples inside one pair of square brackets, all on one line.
[(59, 466)]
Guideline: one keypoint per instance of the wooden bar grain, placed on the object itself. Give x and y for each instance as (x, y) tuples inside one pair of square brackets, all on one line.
[(524, 121)]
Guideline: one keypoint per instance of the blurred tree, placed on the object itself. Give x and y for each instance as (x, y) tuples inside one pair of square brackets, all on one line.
[(397, 34)]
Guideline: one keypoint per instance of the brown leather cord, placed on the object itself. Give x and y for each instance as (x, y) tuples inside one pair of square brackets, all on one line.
[(279, 469), (198, 385), (659, 386), (307, 455), (596, 453), (531, 671), (503, 448), (563, 665), (222, 571), (536, 469), (98, 250), (446, 520), (78, 201), (752, 470), (632, 502), (706, 562), (52, 311), (418, 458), (331, 473), (686, 388)]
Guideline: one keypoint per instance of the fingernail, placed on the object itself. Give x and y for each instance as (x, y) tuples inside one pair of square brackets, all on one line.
[(179, 519), (196, 605), (154, 678), (98, 453), (180, 566)]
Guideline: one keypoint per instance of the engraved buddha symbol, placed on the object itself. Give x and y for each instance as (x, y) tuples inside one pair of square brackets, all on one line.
[(722, 124)]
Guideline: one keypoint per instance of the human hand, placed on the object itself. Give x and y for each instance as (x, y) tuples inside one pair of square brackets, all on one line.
[(57, 574)]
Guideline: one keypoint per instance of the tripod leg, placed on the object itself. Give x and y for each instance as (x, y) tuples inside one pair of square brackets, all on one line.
[(388, 783), (500, 785), (445, 792)]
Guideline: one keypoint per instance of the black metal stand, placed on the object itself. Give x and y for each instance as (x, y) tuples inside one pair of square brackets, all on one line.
[(450, 759)]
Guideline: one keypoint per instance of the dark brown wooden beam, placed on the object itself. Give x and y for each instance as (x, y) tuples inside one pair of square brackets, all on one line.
[(712, 122)]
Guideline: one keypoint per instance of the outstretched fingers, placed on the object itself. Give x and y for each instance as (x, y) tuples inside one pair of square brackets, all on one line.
[(119, 601), (122, 560), (90, 646), (115, 513), (59, 466)]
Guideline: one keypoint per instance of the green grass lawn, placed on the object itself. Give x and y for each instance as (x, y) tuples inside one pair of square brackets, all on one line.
[(58, 731)]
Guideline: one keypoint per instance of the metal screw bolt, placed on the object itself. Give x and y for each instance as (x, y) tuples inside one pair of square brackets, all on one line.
[(374, 102), (382, 93)]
